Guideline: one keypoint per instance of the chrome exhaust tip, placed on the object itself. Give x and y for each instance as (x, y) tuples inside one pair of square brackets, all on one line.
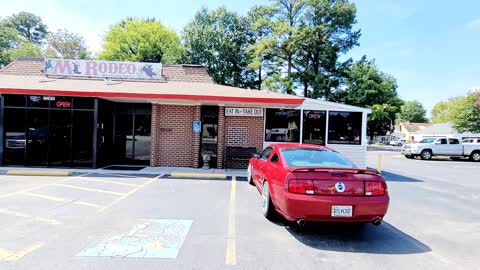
[(377, 222), (301, 222)]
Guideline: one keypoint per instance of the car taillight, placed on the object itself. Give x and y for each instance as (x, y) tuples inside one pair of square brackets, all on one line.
[(301, 186), (374, 188)]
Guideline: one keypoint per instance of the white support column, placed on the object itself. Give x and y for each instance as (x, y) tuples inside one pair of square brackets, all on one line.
[(364, 128), (301, 125), (326, 126)]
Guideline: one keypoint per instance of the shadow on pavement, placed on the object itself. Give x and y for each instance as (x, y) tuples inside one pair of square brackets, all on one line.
[(394, 177), (358, 238)]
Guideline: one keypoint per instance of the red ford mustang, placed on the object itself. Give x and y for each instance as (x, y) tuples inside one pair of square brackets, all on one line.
[(314, 183)]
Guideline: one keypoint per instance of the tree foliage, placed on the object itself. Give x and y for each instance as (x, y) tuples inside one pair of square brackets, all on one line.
[(219, 40), (412, 111), (463, 112), (143, 41), (303, 43), (65, 44), (366, 86), (30, 27)]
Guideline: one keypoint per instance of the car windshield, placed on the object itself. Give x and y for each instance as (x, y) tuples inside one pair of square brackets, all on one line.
[(304, 157), (427, 140)]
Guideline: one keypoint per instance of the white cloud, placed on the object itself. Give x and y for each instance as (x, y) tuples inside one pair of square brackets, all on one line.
[(473, 23)]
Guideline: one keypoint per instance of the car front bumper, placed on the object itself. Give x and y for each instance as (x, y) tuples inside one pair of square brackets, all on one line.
[(409, 152), (318, 207)]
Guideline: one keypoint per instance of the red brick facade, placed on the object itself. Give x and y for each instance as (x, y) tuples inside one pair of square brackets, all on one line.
[(173, 140), (175, 144)]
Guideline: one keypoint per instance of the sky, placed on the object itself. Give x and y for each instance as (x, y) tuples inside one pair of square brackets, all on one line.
[(431, 47)]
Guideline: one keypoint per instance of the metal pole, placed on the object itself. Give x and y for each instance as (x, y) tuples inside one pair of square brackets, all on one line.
[(95, 131)]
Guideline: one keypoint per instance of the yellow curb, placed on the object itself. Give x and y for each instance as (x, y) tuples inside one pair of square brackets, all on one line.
[(39, 173), (199, 175)]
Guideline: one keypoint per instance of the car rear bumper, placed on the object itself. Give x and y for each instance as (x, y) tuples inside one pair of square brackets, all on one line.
[(318, 207)]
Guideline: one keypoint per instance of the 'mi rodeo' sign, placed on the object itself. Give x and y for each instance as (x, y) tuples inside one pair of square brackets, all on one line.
[(103, 69)]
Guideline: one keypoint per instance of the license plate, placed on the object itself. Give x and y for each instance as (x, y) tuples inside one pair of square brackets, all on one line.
[(342, 210)]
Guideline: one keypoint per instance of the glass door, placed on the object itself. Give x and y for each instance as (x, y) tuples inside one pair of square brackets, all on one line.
[(37, 137), (60, 138)]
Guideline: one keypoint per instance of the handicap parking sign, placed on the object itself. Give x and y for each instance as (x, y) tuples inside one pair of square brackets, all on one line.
[(197, 126)]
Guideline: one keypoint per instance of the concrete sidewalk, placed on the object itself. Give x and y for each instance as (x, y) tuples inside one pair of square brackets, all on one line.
[(173, 171)]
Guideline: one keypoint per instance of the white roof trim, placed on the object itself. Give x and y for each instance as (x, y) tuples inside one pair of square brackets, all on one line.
[(317, 104)]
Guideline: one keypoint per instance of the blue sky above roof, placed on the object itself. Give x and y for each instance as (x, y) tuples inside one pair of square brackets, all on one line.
[(431, 47)]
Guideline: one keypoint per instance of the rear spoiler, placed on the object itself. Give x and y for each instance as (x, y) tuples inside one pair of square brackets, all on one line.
[(341, 170)]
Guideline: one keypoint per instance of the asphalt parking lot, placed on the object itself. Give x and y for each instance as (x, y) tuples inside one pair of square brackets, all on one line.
[(118, 222)]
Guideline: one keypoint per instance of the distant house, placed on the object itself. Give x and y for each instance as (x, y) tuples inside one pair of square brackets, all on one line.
[(441, 130), (404, 129)]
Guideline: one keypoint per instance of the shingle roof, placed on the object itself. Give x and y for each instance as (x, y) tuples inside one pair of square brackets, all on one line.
[(177, 73), (413, 127)]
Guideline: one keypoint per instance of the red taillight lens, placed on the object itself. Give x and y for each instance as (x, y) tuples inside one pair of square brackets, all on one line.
[(301, 186), (374, 188)]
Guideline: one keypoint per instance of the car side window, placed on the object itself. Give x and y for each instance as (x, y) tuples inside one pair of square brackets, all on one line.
[(266, 153), (443, 141), (453, 141), (275, 159)]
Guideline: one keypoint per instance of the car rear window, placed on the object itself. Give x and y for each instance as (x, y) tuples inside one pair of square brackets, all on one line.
[(304, 157)]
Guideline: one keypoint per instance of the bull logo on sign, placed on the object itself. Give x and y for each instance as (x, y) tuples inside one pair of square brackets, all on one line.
[(148, 69), (48, 65)]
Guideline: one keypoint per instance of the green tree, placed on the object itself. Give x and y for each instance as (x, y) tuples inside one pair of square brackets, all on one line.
[(466, 114), (26, 49), (141, 40), (29, 26), (366, 86), (65, 44), (412, 111), (9, 38), (463, 112), (443, 112), (219, 39), (304, 42)]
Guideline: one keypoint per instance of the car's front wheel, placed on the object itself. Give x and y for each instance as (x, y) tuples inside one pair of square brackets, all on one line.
[(267, 206), (426, 155), (249, 175)]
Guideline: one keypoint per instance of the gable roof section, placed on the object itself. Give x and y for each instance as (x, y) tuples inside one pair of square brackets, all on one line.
[(413, 127)]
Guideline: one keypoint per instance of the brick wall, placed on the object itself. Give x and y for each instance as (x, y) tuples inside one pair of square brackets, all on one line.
[(173, 141), (243, 131)]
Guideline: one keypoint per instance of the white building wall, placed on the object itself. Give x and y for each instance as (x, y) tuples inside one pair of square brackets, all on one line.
[(355, 153)]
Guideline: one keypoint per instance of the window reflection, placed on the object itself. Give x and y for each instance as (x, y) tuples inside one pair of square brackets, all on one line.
[(345, 127), (282, 125)]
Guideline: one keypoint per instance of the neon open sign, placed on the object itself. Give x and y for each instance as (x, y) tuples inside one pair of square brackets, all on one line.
[(63, 104)]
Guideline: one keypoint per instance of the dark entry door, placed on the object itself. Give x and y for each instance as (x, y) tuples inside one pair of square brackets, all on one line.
[(60, 138), (37, 137), (209, 135)]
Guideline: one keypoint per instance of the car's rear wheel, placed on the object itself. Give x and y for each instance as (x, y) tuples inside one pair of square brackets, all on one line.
[(249, 175), (475, 156), (426, 155), (267, 206)]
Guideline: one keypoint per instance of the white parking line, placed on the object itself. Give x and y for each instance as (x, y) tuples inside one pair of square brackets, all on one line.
[(231, 252), (109, 182), (91, 189)]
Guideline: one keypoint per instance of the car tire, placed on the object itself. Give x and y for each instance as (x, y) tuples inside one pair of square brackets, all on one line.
[(426, 155), (475, 156), (266, 202), (249, 175)]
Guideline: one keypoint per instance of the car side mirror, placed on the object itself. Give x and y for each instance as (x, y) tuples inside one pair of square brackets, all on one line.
[(256, 155), (437, 143)]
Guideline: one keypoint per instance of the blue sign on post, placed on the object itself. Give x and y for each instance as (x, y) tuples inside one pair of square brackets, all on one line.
[(197, 126)]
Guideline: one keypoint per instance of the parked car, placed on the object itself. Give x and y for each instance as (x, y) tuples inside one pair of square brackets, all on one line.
[(305, 182), (450, 147), (398, 142)]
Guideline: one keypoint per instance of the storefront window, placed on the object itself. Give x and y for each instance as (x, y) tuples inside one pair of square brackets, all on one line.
[(47, 131), (344, 128), (314, 127), (282, 125)]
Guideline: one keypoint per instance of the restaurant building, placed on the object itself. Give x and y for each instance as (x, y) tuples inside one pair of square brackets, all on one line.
[(82, 113)]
